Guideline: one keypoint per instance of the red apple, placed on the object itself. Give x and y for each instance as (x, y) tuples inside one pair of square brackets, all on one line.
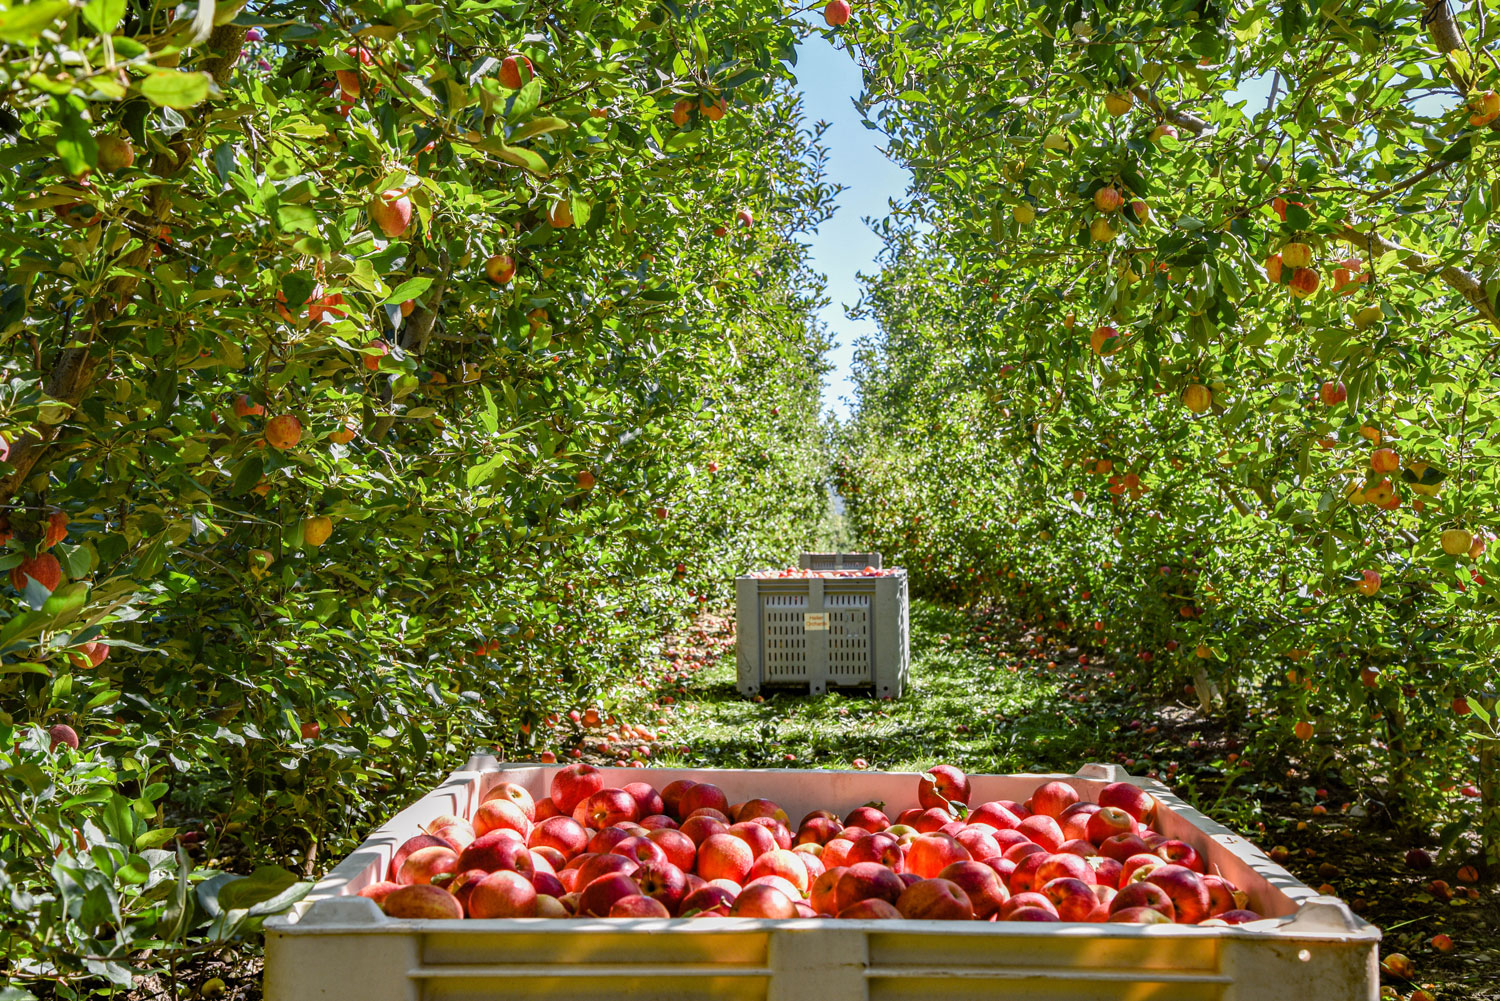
[(647, 800), (935, 900), (762, 901), (818, 830), (985, 891), (1221, 895), (1073, 898), (1107, 871), (515, 794), (662, 881), (638, 906), (1024, 878), (422, 901), (1042, 830), (425, 863), (725, 856), (591, 867), (822, 893), (1138, 916), (1023, 901), (700, 828), (868, 817), (679, 848), (994, 815), (1180, 853), (503, 894), (704, 898), (1065, 865), (980, 843), (495, 814), (870, 910), (1110, 822), (941, 785), (881, 847), (608, 807), (390, 211), (412, 844), (1052, 798), (701, 795), (1121, 846), (867, 880), (1190, 898), (671, 797), (1143, 895), (574, 784), (756, 836), (641, 850), (599, 896), (564, 834), (1138, 867)]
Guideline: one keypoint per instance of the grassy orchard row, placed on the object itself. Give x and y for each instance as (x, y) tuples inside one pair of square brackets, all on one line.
[(377, 385), (686, 851), (1206, 380)]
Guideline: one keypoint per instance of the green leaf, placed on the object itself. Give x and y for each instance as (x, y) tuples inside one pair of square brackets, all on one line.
[(178, 90), (524, 158), (539, 126), (24, 22), (104, 15), (264, 883), (155, 839), (409, 289)]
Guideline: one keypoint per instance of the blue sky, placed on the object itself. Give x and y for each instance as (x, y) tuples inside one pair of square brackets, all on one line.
[(844, 245)]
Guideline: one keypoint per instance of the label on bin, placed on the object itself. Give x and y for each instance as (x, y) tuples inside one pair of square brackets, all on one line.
[(814, 620)]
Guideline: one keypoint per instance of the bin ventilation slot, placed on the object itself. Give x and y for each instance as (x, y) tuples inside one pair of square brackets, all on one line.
[(849, 637), (783, 628)]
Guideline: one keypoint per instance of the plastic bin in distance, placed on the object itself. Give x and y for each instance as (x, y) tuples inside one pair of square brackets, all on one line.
[(335, 945), (820, 631)]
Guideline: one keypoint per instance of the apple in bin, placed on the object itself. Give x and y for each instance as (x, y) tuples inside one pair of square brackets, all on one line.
[(1143, 895), (495, 851), (701, 795), (705, 898), (1180, 853), (422, 901), (599, 896), (724, 856), (1030, 900), (640, 850), (995, 815), (671, 797), (868, 817), (1052, 798), (609, 807), (680, 849), (1073, 898), (941, 785), (1024, 878), (1138, 867), (497, 813), (422, 865), (762, 901), (758, 838), (516, 795), (700, 828), (405, 849), (502, 894), (1122, 846), (595, 866), (929, 854), (638, 906), (648, 801), (1043, 830), (1109, 822), (870, 909), (864, 881), (1063, 865), (1131, 798), (574, 784), (935, 900), (1190, 897)]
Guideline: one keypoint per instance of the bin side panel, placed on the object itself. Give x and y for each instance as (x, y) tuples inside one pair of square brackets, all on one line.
[(783, 636), (849, 646)]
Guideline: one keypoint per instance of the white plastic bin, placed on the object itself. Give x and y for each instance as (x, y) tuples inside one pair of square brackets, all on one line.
[(822, 631), (338, 946)]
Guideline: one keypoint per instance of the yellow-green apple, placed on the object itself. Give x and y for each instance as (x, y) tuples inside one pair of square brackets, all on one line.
[(422, 901)]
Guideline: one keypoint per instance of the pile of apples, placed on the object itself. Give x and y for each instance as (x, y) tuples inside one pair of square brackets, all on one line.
[(797, 572), (686, 851)]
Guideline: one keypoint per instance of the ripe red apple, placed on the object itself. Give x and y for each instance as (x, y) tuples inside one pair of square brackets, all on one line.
[(980, 843), (1143, 895), (647, 800), (1052, 798), (598, 897), (818, 830), (638, 906), (640, 849), (1073, 898), (1138, 867), (1190, 899), (870, 818), (699, 828), (404, 850), (783, 863), (778, 830), (725, 856), (1332, 393), (680, 849), (837, 13), (671, 796), (935, 900), (1030, 900), (1131, 798), (1043, 830), (498, 849), (62, 733), (1107, 871), (995, 815), (422, 901), (762, 901), (756, 836), (1024, 876), (502, 894), (872, 909), (867, 880), (985, 891), (1181, 853), (664, 882), (1110, 822), (701, 795), (425, 863), (1082, 847), (384, 888), (930, 820), (1121, 846), (495, 814), (941, 785), (608, 807), (1138, 916), (705, 898), (881, 847), (1236, 917), (1221, 895), (930, 854), (574, 784), (564, 834), (1063, 865), (516, 795)]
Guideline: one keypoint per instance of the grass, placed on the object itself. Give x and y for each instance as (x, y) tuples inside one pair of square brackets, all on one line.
[(968, 702)]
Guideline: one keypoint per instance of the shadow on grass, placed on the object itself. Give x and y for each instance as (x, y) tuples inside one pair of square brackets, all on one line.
[(970, 701)]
